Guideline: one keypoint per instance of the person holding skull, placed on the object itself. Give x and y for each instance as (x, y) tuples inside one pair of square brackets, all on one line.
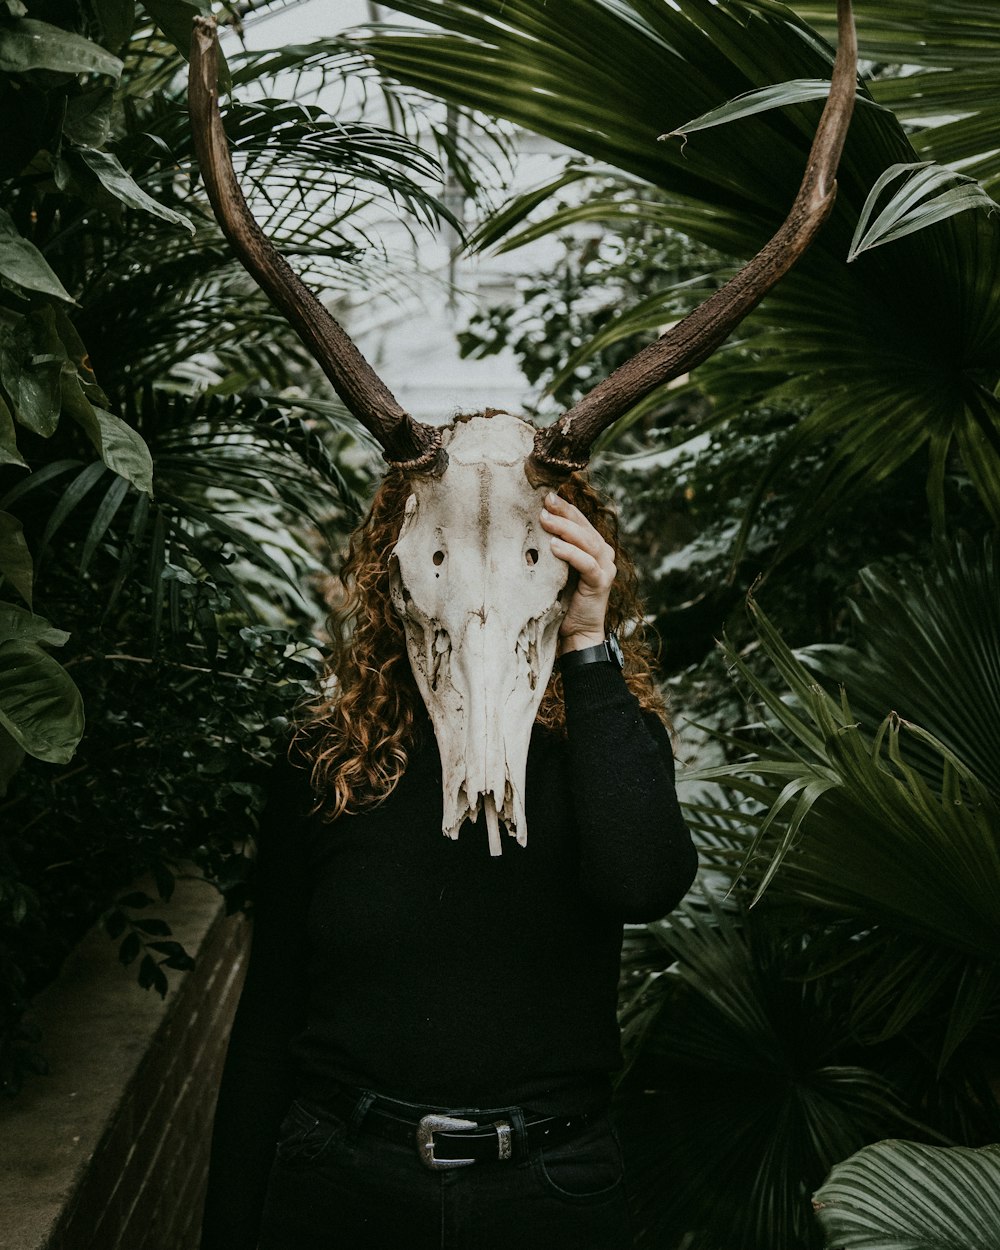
[(439, 1020), (423, 1049)]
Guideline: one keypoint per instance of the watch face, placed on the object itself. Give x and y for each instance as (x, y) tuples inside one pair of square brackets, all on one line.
[(615, 649)]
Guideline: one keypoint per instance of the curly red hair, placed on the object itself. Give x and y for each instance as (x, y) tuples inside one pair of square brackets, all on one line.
[(358, 733)]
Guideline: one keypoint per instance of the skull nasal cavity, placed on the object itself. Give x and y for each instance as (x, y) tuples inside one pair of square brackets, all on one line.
[(438, 557), (531, 555)]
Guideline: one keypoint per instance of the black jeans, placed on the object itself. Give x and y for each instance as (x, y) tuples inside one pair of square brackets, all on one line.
[(335, 1187)]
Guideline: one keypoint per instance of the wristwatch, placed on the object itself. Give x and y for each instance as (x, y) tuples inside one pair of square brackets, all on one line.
[(608, 651)]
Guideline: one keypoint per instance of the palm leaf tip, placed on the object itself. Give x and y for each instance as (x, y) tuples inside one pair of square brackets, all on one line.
[(896, 1195)]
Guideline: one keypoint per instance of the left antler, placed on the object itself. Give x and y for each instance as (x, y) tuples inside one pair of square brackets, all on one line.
[(565, 446), (407, 443)]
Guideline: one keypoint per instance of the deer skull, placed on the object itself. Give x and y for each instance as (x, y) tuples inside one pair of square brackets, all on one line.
[(482, 620), (481, 597)]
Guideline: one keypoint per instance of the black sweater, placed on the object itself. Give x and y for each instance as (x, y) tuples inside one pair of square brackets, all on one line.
[(390, 957)]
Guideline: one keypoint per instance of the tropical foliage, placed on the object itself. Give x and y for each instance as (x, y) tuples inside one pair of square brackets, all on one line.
[(913, 328), (947, 101), (897, 1194), (166, 486)]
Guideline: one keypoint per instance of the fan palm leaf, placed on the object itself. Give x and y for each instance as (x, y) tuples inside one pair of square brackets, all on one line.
[(951, 104), (897, 1195), (898, 353), (743, 1074), (927, 646), (885, 828)]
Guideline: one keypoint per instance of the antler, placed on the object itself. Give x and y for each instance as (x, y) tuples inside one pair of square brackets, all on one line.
[(564, 447), (405, 442)]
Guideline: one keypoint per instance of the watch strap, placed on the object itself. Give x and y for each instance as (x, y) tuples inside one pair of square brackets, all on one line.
[(608, 652)]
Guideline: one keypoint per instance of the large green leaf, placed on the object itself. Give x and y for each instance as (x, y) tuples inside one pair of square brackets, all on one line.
[(22, 264), (15, 623), (40, 707), (27, 44), (89, 117), (120, 447), (117, 18), (15, 558), (11, 759), (114, 178), (31, 367), (174, 18), (8, 438), (45, 369), (899, 1195)]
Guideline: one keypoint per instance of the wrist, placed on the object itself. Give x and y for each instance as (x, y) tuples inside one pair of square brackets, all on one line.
[(580, 642)]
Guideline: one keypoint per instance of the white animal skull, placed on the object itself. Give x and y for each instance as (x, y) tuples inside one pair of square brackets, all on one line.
[(481, 598)]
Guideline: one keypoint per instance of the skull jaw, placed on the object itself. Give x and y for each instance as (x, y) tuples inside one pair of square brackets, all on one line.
[(482, 697)]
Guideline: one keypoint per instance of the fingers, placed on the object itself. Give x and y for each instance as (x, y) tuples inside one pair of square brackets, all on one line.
[(575, 540)]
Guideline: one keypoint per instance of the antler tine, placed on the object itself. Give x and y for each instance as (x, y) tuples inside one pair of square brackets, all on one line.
[(564, 447), (405, 442)]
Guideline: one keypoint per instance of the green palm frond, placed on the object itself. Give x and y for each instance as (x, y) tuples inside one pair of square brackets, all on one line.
[(295, 141), (745, 1073), (951, 104), (928, 647), (925, 194), (880, 826), (236, 479), (897, 354), (475, 152), (225, 463), (923, 858), (896, 1195)]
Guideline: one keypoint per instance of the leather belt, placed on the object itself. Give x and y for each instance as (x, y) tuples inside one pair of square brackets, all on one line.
[(446, 1140)]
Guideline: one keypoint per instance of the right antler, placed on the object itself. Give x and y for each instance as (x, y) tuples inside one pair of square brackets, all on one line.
[(565, 446), (407, 443)]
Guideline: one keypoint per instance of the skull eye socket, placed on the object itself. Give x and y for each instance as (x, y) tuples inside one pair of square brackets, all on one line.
[(438, 557), (531, 555)]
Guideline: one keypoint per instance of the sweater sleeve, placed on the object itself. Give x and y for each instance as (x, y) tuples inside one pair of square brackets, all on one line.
[(637, 859), (257, 1082)]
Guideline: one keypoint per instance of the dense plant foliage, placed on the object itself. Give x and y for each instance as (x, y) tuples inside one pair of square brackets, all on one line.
[(168, 493)]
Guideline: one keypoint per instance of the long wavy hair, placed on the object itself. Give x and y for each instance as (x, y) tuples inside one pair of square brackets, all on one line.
[(357, 734)]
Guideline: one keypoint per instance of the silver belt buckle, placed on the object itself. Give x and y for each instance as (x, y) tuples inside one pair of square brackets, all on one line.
[(426, 1129), (432, 1124)]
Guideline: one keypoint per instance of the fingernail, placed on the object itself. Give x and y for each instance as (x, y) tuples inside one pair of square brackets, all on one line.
[(551, 497)]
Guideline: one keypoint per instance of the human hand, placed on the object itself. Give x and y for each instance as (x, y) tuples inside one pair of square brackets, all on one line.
[(577, 542)]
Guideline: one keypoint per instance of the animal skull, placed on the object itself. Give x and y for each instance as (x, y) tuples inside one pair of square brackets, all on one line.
[(481, 597)]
